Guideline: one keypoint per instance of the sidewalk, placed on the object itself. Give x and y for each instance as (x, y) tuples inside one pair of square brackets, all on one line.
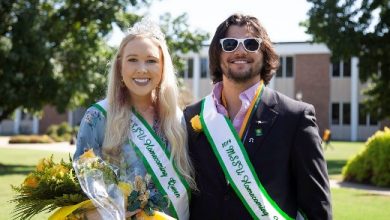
[(368, 188), (57, 147)]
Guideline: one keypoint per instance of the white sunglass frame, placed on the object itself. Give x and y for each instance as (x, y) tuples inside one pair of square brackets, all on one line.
[(241, 41)]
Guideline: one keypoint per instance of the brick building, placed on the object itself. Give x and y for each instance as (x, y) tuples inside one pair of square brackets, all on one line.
[(306, 73)]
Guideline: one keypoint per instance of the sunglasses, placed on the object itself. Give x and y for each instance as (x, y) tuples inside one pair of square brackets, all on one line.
[(231, 44)]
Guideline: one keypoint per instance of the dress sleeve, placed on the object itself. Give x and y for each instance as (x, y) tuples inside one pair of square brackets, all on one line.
[(91, 132)]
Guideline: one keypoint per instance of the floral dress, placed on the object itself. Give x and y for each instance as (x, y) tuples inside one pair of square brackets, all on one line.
[(91, 135)]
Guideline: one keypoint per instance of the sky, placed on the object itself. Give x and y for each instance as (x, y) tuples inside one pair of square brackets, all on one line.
[(279, 17)]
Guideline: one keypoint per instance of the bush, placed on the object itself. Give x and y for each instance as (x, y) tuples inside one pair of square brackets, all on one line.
[(24, 139), (61, 132), (372, 164)]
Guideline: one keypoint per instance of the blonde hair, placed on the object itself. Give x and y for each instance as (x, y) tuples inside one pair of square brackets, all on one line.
[(165, 99)]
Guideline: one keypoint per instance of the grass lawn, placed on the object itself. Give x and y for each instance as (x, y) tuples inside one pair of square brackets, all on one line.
[(338, 156), (15, 164), (359, 205), (347, 203)]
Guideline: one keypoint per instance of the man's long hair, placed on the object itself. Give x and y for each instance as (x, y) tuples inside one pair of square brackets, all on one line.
[(271, 59)]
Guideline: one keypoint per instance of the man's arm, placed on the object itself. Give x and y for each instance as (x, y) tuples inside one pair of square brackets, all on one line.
[(309, 169)]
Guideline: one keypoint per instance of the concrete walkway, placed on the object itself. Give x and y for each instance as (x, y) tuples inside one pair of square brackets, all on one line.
[(57, 147), (66, 147)]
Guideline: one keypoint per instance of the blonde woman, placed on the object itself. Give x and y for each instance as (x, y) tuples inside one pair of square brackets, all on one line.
[(139, 125)]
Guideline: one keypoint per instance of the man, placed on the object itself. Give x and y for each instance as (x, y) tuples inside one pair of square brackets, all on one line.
[(257, 153)]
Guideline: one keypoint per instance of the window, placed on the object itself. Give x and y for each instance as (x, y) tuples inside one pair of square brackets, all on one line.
[(347, 68), (346, 113), (336, 69), (25, 116), (289, 67), (286, 67), (203, 67), (373, 119), (335, 113), (190, 68), (341, 68), (279, 72), (362, 115)]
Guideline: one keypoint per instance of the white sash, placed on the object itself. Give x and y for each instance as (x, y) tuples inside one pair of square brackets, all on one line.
[(157, 161), (236, 165)]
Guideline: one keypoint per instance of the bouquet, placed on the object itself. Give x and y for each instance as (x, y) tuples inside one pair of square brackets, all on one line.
[(76, 187)]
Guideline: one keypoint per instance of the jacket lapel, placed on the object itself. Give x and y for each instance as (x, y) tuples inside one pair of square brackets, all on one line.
[(261, 123)]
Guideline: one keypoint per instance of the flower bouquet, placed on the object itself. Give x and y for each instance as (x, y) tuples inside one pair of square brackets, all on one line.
[(89, 183)]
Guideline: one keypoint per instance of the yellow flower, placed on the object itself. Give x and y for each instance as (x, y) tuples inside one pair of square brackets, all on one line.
[(31, 181), (59, 170), (88, 154), (42, 164), (125, 188), (195, 123)]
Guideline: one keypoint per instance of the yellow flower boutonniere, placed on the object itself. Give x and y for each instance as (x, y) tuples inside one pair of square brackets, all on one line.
[(195, 123)]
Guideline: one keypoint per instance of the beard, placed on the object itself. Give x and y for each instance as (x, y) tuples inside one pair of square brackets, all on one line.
[(244, 76)]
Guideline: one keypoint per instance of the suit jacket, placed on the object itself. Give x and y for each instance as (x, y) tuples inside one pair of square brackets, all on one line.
[(287, 156)]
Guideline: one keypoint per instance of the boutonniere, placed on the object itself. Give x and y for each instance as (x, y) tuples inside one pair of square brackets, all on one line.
[(195, 123)]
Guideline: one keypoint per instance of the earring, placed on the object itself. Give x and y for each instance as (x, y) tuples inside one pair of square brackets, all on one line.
[(122, 83)]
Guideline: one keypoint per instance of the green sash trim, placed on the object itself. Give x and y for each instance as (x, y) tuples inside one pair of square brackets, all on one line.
[(265, 207), (101, 106), (154, 153)]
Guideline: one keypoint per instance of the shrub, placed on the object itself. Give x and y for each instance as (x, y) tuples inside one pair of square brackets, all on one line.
[(61, 132), (372, 164), (23, 139)]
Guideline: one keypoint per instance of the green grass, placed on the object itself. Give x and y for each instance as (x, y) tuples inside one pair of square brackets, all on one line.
[(359, 205), (14, 166), (347, 203), (338, 156)]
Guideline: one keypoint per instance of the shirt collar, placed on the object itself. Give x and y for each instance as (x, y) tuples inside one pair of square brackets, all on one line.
[(246, 95)]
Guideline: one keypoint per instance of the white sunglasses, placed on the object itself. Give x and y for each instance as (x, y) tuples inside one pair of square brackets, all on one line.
[(231, 44)]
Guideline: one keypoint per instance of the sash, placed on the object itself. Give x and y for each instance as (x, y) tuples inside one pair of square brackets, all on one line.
[(235, 163), (157, 161)]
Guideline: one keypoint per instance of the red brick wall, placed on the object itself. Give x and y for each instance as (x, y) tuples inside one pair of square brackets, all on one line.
[(312, 79), (51, 116)]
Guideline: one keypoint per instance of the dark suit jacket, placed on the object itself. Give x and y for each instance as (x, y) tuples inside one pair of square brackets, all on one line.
[(287, 157)]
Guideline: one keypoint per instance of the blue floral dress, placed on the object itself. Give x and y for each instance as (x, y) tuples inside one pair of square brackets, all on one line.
[(91, 135)]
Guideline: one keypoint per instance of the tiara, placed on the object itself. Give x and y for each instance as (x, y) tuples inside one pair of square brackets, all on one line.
[(147, 27)]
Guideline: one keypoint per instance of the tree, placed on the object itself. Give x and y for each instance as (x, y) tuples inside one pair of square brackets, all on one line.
[(55, 52), (350, 28)]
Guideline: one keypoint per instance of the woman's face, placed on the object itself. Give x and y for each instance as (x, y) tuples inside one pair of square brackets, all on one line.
[(142, 66)]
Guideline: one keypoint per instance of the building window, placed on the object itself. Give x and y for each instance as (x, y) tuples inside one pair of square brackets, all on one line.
[(362, 115), (373, 119), (366, 118), (341, 68), (335, 113), (204, 66), (190, 68), (347, 68), (336, 69), (289, 67), (25, 116), (346, 113), (279, 72), (286, 67)]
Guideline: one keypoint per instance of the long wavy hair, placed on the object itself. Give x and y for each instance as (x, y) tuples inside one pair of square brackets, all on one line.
[(271, 59), (165, 101)]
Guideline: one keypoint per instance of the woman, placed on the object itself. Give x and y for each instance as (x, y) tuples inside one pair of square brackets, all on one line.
[(138, 126)]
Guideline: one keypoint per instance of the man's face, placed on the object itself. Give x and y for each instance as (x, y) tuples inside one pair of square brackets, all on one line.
[(241, 65)]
